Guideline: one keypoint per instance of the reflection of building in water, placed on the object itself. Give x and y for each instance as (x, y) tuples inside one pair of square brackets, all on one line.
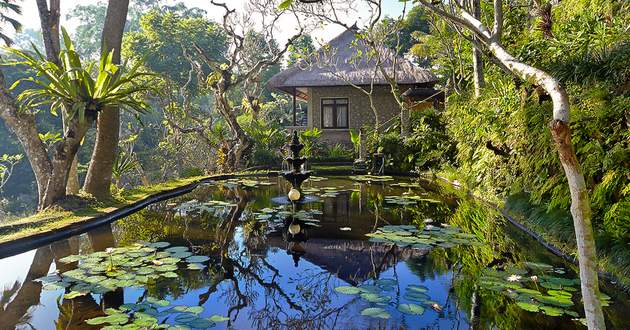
[(353, 261), (345, 253)]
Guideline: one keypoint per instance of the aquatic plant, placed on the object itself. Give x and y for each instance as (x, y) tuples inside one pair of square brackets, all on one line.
[(430, 236), (130, 266), (147, 315)]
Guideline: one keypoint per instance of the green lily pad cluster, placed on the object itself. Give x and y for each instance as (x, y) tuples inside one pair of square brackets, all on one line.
[(405, 200), (379, 294), (536, 289), (430, 236), (131, 266), (148, 315), (247, 183), (371, 178), (279, 214), (324, 192), (195, 206)]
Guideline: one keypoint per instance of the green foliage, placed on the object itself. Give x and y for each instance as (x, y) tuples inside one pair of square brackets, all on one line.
[(6, 8), (74, 87), (336, 152), (429, 146), (165, 43), (312, 145), (7, 164)]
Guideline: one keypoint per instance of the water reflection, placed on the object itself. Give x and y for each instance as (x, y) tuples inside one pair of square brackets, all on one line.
[(260, 276)]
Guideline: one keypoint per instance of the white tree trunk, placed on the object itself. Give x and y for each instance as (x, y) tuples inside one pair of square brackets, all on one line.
[(580, 203)]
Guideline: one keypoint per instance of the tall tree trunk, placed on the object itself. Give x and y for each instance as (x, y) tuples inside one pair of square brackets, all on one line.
[(242, 141), (23, 125), (72, 187), (64, 153), (49, 18), (580, 203), (99, 175), (477, 62)]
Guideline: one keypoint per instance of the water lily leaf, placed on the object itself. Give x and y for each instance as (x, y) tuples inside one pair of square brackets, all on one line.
[(158, 302), (176, 249), (376, 312), (551, 311), (218, 318), (416, 296), (166, 268), (348, 289), (159, 245), (74, 294), (560, 293), (411, 309), (197, 259), (170, 275), (555, 300), (52, 278), (185, 318), (181, 254), (528, 306), (370, 288), (55, 286), (194, 266), (417, 288), (375, 297)]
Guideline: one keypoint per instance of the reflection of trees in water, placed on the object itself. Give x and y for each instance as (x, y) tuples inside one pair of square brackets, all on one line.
[(73, 312)]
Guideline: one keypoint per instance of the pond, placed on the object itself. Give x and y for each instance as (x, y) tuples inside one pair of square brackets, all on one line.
[(368, 254)]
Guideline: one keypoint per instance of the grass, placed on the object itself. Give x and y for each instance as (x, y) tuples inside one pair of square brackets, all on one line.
[(56, 218)]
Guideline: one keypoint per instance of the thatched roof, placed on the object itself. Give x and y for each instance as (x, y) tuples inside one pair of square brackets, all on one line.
[(336, 64)]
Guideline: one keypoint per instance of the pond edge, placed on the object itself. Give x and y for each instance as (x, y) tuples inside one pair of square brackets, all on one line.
[(30, 242), (609, 277)]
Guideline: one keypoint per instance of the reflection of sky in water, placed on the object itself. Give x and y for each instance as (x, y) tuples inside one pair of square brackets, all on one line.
[(14, 268), (288, 277)]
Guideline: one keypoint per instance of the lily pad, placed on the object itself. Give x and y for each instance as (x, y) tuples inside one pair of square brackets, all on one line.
[(348, 290), (375, 297), (411, 309), (376, 312), (197, 259), (528, 306)]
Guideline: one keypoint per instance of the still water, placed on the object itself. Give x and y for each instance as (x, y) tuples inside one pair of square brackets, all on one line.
[(266, 265)]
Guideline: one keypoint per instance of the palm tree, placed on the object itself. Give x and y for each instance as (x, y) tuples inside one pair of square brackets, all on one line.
[(8, 7)]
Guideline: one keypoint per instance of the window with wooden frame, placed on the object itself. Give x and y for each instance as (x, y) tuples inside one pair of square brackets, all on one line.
[(334, 113)]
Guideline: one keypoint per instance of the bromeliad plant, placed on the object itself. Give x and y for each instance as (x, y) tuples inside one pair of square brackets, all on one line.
[(77, 88), (80, 91)]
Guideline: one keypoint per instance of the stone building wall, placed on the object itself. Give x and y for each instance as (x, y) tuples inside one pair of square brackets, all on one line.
[(359, 111)]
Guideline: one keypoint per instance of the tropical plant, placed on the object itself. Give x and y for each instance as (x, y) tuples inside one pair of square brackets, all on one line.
[(355, 138), (8, 6), (78, 88), (310, 139), (7, 164), (124, 163)]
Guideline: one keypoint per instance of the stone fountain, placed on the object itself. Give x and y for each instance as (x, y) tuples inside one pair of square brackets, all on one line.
[(296, 174)]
